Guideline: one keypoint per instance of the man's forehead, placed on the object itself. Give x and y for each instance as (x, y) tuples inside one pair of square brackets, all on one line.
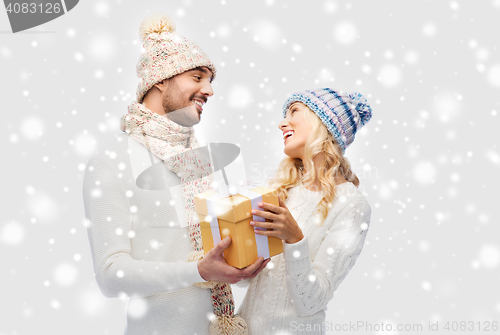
[(203, 69)]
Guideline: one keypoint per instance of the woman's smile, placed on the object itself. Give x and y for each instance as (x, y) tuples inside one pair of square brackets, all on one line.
[(287, 134), (295, 130)]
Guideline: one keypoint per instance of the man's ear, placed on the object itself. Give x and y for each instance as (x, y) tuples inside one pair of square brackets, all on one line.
[(161, 85)]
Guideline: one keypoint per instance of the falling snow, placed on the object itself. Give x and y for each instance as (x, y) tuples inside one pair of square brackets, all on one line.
[(65, 274), (137, 308), (489, 256), (12, 233), (32, 127), (390, 75), (494, 75), (345, 32), (92, 302), (428, 161)]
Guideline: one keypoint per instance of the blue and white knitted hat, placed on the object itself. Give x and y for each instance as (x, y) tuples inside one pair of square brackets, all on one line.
[(342, 113)]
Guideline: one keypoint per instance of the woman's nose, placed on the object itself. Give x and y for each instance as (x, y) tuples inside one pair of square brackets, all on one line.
[(282, 124)]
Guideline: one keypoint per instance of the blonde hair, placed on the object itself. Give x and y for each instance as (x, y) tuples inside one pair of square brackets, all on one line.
[(293, 171)]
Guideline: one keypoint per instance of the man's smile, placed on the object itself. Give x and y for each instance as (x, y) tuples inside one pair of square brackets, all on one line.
[(199, 104)]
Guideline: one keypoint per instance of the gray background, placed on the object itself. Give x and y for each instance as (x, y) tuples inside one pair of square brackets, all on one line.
[(428, 160)]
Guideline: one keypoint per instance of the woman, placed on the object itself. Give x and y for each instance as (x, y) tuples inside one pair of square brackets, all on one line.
[(322, 218)]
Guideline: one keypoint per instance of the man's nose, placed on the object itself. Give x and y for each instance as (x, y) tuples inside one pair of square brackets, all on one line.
[(207, 90)]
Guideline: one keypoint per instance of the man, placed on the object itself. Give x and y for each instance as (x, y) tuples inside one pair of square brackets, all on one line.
[(138, 196)]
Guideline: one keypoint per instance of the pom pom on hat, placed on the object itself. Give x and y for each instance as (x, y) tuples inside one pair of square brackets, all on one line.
[(155, 23), (362, 107)]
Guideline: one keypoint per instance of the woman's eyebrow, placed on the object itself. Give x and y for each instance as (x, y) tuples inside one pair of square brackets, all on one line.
[(292, 106)]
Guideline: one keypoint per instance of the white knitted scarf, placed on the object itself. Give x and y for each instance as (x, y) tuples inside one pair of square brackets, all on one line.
[(173, 144)]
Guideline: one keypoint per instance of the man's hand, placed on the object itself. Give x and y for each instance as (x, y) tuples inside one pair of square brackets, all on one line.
[(214, 267)]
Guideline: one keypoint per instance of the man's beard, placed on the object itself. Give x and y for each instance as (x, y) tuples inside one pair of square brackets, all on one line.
[(186, 116)]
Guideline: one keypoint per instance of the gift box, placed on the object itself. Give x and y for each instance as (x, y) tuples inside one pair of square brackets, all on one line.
[(221, 216)]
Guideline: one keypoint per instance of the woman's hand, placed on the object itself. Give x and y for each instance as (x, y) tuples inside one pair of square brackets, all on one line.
[(283, 226)]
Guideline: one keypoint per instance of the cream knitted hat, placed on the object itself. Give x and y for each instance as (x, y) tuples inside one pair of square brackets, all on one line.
[(166, 53)]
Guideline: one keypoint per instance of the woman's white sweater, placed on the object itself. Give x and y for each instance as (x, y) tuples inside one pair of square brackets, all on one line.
[(292, 292)]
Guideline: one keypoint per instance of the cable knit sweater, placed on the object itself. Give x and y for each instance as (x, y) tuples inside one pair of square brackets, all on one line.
[(292, 292), (138, 246)]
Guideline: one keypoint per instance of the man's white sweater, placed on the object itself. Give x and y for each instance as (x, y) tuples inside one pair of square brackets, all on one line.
[(292, 292), (138, 247)]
